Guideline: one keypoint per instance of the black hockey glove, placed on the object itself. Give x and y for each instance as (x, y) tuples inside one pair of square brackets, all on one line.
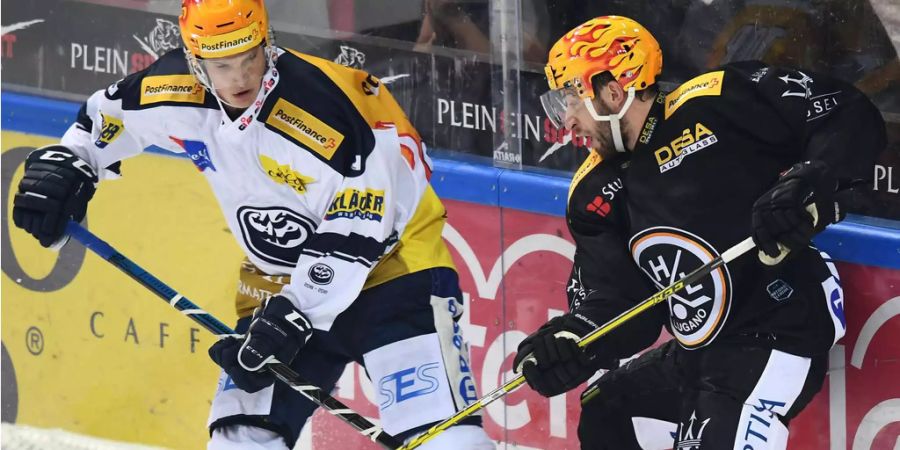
[(278, 330), (56, 188), (782, 215), (560, 364)]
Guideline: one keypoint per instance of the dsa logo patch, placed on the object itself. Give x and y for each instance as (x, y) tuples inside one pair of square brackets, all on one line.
[(274, 235), (110, 130), (353, 203), (697, 312), (691, 141)]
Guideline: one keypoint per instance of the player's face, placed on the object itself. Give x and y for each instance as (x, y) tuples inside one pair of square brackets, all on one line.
[(237, 78), (579, 120)]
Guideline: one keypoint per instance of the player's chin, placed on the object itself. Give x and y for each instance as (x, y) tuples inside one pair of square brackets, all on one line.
[(239, 99), (239, 102)]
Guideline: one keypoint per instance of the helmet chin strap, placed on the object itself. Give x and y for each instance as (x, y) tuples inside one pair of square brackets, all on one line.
[(613, 119)]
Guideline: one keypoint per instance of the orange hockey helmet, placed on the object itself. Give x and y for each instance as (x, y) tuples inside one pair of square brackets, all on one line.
[(220, 28)]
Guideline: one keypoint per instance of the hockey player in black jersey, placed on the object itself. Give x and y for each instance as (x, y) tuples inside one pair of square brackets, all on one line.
[(744, 150), (603, 280)]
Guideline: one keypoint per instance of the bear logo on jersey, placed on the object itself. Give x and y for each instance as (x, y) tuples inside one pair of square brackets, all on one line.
[(698, 312), (274, 235)]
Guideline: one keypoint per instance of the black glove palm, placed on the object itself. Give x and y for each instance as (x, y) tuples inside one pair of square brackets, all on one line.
[(560, 364), (277, 332), (780, 215), (56, 188)]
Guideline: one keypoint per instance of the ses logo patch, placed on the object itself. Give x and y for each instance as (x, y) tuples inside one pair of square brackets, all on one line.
[(352, 203), (110, 130), (408, 383), (197, 151)]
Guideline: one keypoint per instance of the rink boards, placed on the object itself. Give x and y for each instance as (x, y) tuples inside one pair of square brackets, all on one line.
[(91, 351)]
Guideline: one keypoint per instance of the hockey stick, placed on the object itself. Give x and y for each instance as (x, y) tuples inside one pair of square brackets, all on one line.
[(661, 296), (197, 314)]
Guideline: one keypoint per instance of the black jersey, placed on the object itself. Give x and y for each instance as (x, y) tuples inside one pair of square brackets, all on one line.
[(707, 151), (604, 279)]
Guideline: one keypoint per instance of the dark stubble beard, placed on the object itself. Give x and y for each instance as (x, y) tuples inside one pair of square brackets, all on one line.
[(604, 138)]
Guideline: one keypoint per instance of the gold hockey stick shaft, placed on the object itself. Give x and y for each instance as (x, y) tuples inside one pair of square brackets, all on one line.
[(661, 296)]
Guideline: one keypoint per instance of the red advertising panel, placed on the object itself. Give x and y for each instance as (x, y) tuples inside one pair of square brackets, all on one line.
[(859, 406), (513, 267)]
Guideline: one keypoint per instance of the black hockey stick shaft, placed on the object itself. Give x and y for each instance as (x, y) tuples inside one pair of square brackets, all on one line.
[(661, 296), (208, 321)]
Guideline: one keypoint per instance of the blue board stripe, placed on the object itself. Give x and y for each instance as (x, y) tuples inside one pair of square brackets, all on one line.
[(859, 240)]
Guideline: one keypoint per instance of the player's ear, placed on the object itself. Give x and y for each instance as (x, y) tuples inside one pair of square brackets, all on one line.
[(608, 91), (616, 93)]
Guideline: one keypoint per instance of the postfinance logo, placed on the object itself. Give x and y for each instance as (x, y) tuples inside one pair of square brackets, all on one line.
[(171, 88), (305, 128), (284, 174), (706, 84), (110, 130), (228, 44), (691, 141), (353, 203)]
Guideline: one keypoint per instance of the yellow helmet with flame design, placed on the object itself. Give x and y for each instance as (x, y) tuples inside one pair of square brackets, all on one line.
[(613, 44)]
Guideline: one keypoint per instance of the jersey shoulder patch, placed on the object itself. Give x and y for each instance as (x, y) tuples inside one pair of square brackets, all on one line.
[(595, 186), (165, 82), (707, 84), (309, 108), (366, 92)]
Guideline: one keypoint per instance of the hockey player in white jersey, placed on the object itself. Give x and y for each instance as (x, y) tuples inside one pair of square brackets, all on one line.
[(324, 183)]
